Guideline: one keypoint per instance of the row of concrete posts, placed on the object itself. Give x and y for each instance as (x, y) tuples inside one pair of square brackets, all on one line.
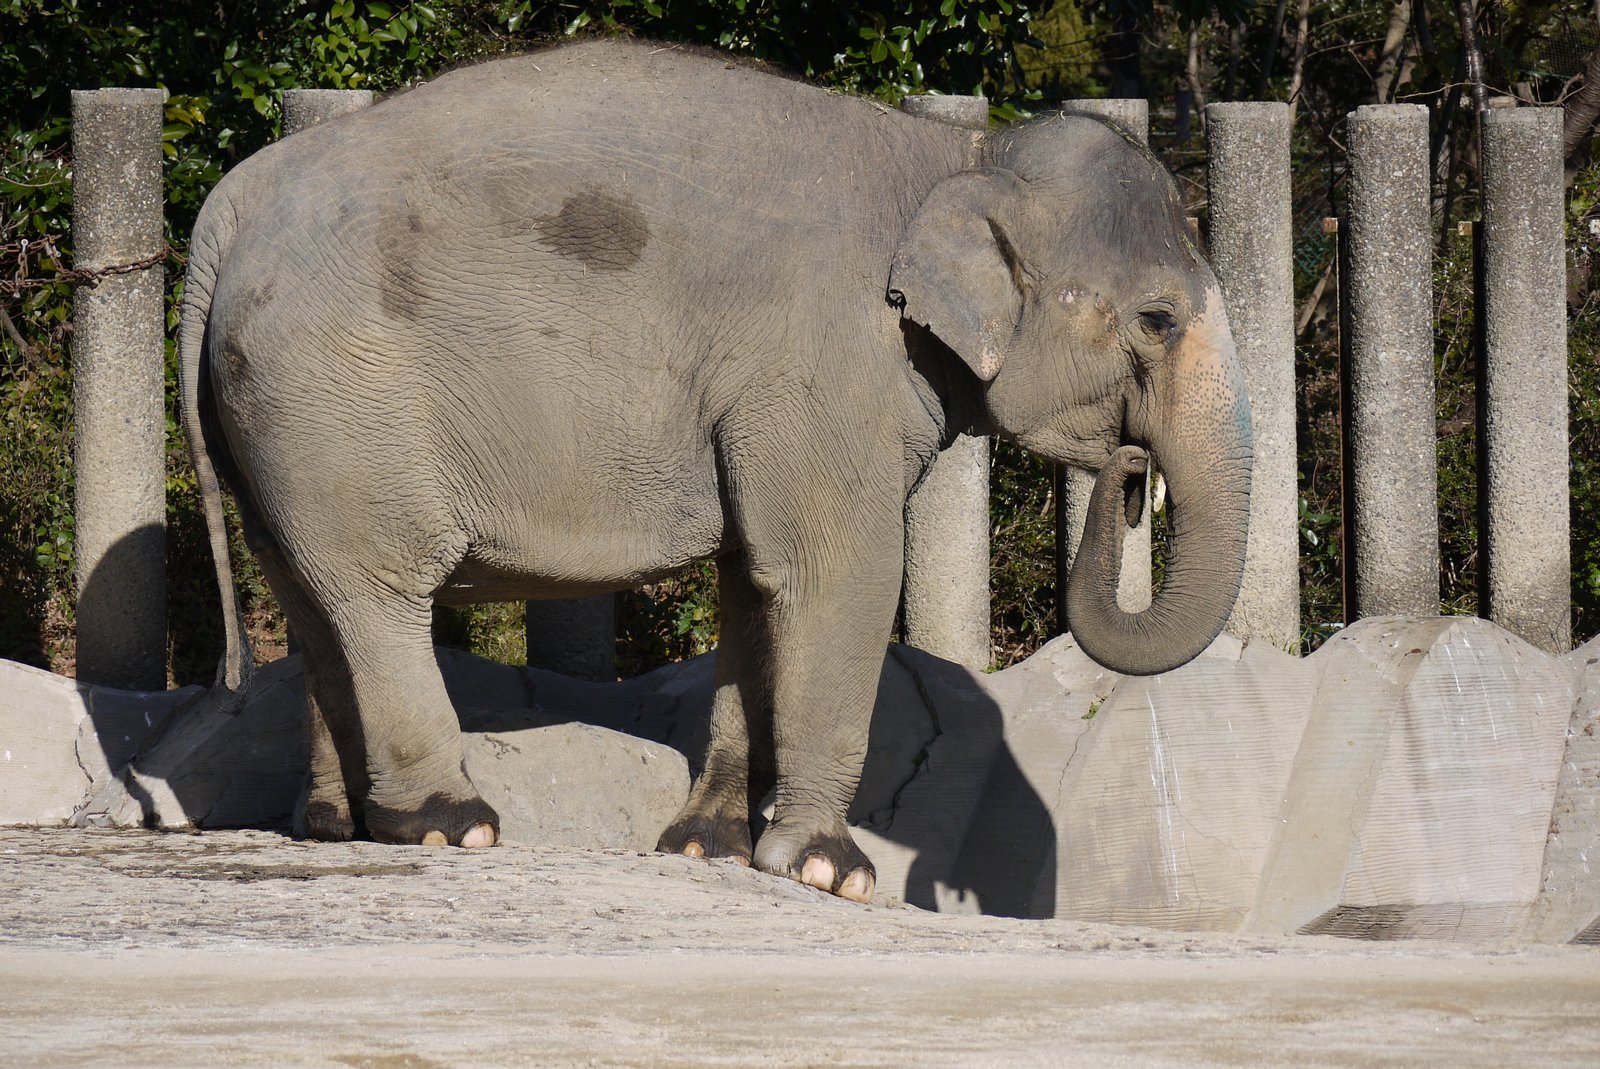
[(1386, 302)]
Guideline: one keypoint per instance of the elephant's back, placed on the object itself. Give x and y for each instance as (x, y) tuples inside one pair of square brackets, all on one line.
[(590, 152)]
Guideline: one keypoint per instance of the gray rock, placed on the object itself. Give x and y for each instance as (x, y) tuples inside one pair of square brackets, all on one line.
[(59, 737), (578, 785)]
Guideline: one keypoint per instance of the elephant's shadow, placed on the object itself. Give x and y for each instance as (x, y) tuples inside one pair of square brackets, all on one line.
[(944, 808)]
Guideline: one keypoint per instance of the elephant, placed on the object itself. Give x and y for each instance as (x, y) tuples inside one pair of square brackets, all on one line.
[(563, 323)]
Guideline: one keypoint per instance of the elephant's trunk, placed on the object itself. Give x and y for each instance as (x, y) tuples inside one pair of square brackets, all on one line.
[(1202, 444)]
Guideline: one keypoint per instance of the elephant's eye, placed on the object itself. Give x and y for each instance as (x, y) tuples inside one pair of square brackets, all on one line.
[(1159, 325)]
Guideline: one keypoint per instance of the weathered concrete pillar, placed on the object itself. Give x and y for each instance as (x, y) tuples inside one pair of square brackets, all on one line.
[(118, 391), (1252, 248), (305, 108), (1524, 390), (574, 636), (947, 519), (1390, 439), (1130, 113), (1073, 485)]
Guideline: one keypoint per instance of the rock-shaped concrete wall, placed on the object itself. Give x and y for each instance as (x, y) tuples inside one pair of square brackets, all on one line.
[(1568, 907), (1423, 785), (1431, 777)]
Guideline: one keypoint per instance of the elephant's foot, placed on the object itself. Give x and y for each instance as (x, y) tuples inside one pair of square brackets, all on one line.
[(439, 821), (324, 814), (326, 822), (827, 860), (709, 834)]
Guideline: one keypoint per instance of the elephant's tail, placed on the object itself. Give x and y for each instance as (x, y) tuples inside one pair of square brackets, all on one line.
[(212, 233)]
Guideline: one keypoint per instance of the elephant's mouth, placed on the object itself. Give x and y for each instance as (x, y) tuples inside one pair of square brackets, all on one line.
[(1135, 487)]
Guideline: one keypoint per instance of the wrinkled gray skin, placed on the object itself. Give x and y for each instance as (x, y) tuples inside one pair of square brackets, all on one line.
[(563, 323)]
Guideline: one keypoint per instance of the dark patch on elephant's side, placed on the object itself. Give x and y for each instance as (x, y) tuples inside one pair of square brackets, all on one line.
[(601, 231), (402, 243)]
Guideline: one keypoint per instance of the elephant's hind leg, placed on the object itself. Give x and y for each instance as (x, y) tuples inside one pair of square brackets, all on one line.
[(325, 811), (417, 785), (715, 821)]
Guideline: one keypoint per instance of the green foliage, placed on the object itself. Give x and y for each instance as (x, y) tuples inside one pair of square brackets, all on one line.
[(668, 621), (1583, 347), (1063, 63), (36, 508), (1022, 575)]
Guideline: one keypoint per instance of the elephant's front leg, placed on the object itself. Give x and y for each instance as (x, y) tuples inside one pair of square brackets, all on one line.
[(825, 550), (715, 821), (828, 638)]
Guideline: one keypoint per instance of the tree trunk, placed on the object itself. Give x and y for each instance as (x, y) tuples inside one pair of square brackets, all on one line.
[(1582, 109), (1394, 52), (1197, 87), (1471, 54), (1273, 41), (1231, 82), (1297, 76)]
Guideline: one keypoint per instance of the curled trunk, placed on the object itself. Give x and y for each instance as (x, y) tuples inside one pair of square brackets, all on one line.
[(1203, 446)]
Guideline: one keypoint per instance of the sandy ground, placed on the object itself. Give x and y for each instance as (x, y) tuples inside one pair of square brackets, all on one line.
[(245, 948)]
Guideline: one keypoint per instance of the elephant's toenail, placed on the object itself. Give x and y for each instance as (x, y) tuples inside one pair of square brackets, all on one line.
[(818, 872), (692, 848), (435, 838), (858, 886)]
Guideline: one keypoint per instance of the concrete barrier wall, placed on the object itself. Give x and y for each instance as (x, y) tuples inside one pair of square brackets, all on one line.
[(1417, 777)]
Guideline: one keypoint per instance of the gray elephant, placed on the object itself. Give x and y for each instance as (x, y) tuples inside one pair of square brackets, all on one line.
[(563, 323)]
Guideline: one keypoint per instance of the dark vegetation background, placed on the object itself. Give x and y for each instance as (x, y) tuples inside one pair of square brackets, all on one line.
[(224, 63)]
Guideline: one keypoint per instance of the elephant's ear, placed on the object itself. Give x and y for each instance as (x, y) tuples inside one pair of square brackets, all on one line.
[(957, 271)]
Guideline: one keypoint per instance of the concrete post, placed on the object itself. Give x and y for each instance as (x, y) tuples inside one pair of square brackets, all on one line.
[(1074, 485), (1130, 113), (574, 636), (118, 389), (1390, 438), (1524, 390), (305, 108), (1252, 249), (947, 519)]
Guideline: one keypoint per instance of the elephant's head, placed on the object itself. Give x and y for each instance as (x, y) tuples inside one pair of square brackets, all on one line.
[(1062, 274)]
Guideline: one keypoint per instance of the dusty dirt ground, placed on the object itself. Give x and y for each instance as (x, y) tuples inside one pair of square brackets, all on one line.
[(246, 948)]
